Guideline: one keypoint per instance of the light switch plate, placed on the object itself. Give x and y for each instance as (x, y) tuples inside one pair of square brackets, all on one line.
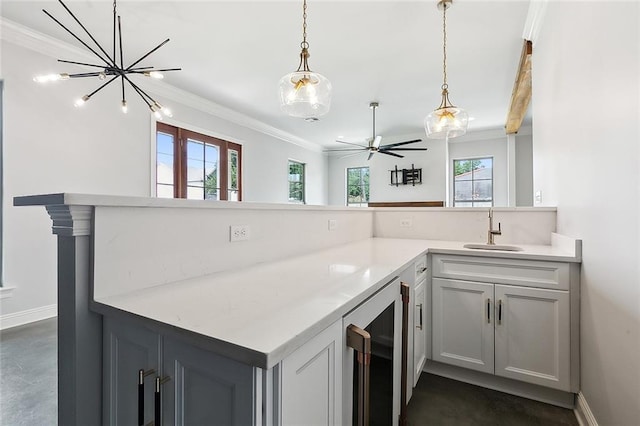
[(333, 224), (407, 222)]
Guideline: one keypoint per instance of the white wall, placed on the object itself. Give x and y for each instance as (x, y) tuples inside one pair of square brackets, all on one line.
[(586, 157), (50, 146)]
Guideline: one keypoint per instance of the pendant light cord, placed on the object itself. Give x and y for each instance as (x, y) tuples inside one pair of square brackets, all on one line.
[(304, 43), (444, 47)]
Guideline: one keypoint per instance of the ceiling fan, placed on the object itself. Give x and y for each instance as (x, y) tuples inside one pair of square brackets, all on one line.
[(374, 143)]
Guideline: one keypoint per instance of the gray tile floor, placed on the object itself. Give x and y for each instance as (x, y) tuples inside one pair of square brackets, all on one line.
[(28, 374), (28, 390)]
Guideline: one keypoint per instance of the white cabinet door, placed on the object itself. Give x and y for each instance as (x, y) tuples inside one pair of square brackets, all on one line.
[(463, 324), (532, 338), (312, 381), (421, 312)]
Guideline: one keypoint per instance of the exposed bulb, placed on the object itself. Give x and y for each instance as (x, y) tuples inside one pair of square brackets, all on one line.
[(50, 77), (157, 115), (159, 108), (81, 101), (123, 106), (102, 76), (154, 74)]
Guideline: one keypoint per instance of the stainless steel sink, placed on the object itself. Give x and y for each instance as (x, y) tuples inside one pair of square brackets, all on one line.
[(492, 247)]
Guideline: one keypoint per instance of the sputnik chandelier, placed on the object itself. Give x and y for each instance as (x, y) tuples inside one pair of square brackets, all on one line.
[(447, 121), (304, 93), (109, 68)]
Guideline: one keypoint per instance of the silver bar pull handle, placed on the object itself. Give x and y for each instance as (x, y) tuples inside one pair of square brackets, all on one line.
[(360, 341), (419, 326), (141, 375)]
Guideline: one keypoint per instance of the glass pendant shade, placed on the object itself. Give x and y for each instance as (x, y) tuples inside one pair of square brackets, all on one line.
[(305, 94), (446, 122)]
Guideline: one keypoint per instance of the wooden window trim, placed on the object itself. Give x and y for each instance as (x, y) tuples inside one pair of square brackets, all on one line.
[(180, 137)]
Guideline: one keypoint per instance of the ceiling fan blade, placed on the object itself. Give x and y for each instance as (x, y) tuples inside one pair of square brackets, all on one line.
[(376, 141), (370, 155), (402, 143), (402, 149), (364, 148), (391, 153), (351, 143)]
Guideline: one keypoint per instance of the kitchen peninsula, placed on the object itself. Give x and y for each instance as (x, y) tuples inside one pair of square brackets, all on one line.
[(163, 273)]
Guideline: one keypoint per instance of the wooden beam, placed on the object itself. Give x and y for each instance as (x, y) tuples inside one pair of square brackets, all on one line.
[(521, 94)]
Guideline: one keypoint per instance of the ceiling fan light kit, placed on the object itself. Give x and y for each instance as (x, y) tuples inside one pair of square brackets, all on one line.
[(108, 66), (447, 121), (304, 93)]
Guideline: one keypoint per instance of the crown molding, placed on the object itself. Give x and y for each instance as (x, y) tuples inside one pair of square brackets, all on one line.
[(28, 38)]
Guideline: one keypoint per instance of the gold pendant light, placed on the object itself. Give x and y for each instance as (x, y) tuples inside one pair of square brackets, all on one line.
[(303, 93), (447, 121)]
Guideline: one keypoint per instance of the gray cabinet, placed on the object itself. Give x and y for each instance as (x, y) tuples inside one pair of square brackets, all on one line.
[(198, 387)]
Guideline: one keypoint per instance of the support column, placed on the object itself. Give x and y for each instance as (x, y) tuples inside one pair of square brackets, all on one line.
[(511, 170), (79, 329)]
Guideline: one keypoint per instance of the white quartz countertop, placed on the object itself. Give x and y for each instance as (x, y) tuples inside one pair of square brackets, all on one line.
[(261, 314)]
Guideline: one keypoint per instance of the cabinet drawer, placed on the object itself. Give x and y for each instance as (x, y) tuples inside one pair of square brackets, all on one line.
[(530, 273)]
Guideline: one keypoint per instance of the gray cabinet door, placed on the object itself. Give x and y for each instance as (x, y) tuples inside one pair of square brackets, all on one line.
[(204, 388), (127, 348)]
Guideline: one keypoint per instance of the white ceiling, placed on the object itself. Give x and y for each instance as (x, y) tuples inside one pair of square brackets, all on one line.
[(234, 52)]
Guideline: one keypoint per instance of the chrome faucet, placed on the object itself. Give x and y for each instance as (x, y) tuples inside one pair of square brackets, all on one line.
[(492, 232)]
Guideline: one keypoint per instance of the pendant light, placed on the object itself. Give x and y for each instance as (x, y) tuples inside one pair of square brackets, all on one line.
[(447, 121), (303, 93)]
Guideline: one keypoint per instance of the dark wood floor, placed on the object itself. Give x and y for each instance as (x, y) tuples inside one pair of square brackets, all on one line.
[(438, 401)]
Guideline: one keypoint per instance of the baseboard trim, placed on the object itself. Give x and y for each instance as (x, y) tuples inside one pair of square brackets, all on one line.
[(25, 317), (583, 412)]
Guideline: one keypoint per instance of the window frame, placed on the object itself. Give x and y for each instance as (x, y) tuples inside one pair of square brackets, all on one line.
[(453, 178), (361, 182), (303, 180), (180, 138)]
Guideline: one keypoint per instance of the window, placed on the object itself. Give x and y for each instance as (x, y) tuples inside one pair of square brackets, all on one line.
[(296, 182), (473, 182), (358, 187), (195, 166)]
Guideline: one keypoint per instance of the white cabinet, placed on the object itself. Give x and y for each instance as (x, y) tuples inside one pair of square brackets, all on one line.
[(312, 381), (532, 335), (462, 328), (525, 332), (420, 325)]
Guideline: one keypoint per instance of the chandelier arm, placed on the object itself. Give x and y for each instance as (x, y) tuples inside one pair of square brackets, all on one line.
[(136, 70), (122, 84), (114, 29), (79, 39), (147, 54), (85, 30), (80, 63), (140, 92), (84, 74), (102, 87), (121, 55)]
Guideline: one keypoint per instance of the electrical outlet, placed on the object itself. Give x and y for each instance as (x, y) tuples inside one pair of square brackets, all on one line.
[(538, 198), (406, 222), (238, 233), (333, 224)]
